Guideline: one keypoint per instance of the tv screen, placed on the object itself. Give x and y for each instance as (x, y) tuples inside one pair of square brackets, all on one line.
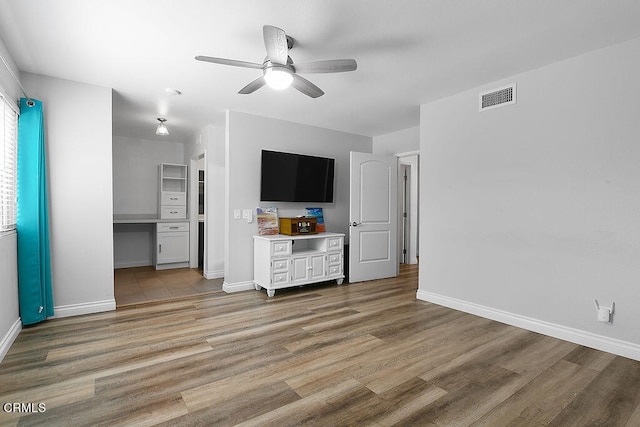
[(287, 177)]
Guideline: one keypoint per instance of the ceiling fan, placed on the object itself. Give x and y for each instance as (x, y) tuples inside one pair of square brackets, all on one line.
[(278, 69)]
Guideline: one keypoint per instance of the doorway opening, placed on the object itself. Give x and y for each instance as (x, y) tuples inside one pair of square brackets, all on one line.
[(408, 208), (198, 222), (143, 284)]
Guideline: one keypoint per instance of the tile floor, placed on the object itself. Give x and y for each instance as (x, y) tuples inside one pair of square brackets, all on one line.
[(145, 284)]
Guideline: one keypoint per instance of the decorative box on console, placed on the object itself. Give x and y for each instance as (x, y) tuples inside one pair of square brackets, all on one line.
[(298, 226)]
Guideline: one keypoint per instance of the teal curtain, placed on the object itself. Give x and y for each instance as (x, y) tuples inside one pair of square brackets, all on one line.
[(32, 221)]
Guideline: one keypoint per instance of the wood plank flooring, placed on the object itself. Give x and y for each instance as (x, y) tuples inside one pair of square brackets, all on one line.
[(365, 354)]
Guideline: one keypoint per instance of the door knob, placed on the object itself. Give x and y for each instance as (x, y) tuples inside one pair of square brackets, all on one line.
[(355, 224)]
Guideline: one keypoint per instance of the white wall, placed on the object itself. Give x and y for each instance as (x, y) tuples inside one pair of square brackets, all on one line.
[(246, 136), (531, 211), (402, 141), (9, 309), (210, 141), (78, 136)]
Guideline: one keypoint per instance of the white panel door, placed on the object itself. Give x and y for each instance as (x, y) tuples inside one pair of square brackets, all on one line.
[(373, 217)]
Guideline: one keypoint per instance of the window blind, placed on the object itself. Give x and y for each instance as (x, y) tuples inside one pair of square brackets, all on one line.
[(8, 163)]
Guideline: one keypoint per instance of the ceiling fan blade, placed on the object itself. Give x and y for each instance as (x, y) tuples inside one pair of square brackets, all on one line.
[(233, 62), (275, 41), (253, 86), (306, 87), (330, 66)]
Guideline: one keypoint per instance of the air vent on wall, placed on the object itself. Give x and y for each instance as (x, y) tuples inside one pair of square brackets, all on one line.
[(498, 97)]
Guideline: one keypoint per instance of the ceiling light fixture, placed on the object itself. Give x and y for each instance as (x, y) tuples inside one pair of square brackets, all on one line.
[(162, 128), (278, 77)]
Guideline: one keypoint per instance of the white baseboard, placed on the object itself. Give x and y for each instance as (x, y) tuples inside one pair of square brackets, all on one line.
[(237, 287), (84, 308), (9, 338), (577, 336), (172, 265), (215, 274), (131, 264)]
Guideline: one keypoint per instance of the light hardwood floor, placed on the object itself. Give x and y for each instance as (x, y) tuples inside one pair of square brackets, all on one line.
[(326, 355)]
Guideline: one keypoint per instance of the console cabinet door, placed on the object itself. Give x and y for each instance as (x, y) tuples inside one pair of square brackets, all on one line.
[(299, 269), (309, 268), (318, 266)]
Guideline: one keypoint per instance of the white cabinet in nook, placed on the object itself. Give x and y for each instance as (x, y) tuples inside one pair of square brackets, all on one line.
[(281, 261), (172, 245)]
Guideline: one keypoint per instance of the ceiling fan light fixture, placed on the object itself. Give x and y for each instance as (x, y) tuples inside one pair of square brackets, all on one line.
[(278, 77), (162, 128)]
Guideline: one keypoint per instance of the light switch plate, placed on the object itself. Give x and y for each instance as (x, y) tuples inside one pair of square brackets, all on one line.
[(248, 215)]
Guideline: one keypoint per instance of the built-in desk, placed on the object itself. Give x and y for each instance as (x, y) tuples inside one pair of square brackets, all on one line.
[(144, 239), (139, 219)]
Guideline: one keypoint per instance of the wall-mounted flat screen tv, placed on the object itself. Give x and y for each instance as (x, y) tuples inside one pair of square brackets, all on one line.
[(287, 177)]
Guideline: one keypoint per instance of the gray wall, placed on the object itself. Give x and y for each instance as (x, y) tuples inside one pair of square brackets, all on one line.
[(246, 136), (402, 141), (135, 172), (530, 211), (77, 120)]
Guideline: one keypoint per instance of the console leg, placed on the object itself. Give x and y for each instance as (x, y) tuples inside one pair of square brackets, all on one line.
[(271, 292), (339, 281), (258, 287)]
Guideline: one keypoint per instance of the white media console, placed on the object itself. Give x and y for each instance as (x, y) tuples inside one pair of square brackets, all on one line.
[(281, 261)]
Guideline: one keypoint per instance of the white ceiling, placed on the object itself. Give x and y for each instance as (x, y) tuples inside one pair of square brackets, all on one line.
[(409, 52)]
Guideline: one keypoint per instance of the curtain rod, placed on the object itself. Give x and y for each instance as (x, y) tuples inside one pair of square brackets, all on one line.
[(30, 103)]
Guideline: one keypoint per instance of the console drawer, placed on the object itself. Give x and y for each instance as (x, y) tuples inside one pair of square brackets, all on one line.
[(280, 278), (335, 258), (334, 270), (335, 243), (281, 248), (280, 265)]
